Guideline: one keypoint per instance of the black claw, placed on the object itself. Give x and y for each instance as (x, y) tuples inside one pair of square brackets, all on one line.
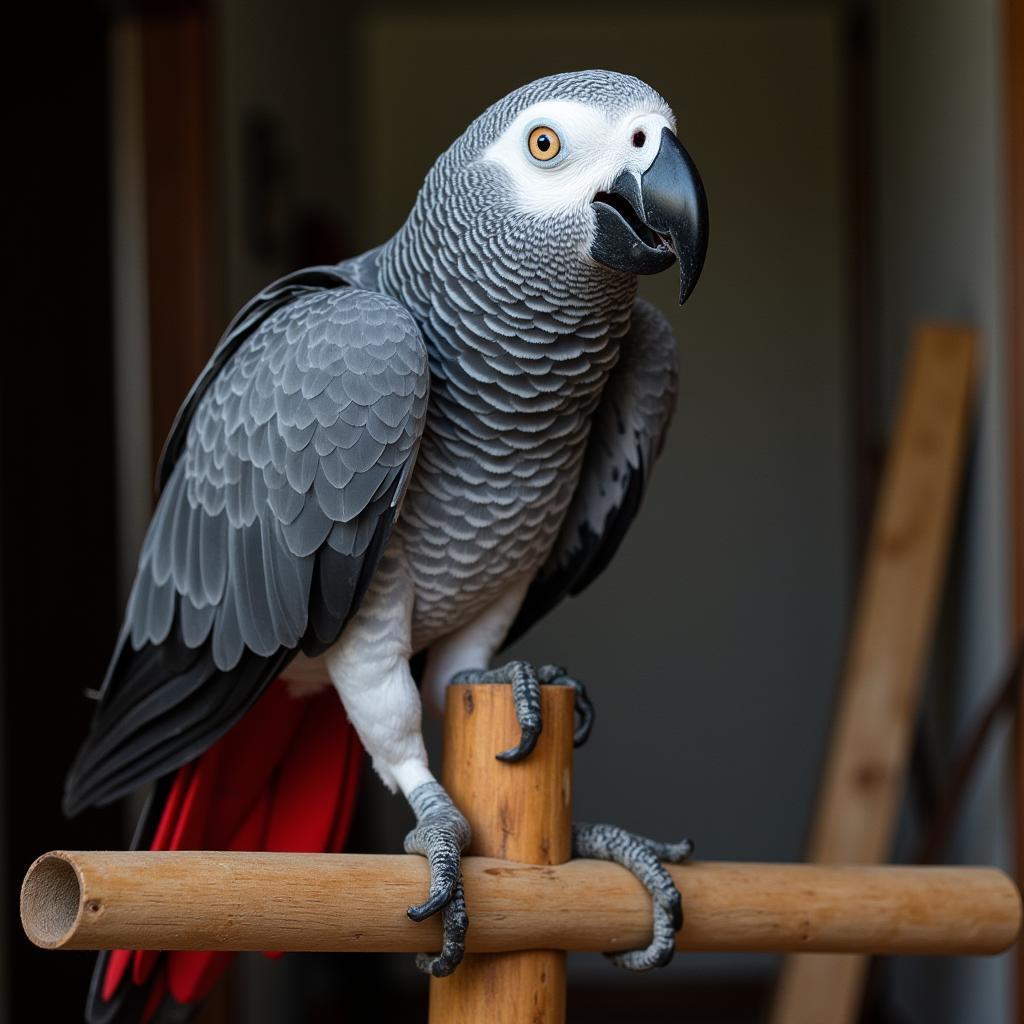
[(526, 682), (584, 715), (454, 924), (437, 902), (555, 675), (441, 833), (527, 741), (676, 909)]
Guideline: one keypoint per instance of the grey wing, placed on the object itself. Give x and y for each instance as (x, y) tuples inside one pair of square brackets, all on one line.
[(267, 532), (248, 319), (627, 435)]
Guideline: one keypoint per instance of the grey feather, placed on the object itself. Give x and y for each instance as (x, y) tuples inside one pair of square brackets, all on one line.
[(227, 633), (308, 530), (627, 434), (298, 486), (213, 548), (195, 622)]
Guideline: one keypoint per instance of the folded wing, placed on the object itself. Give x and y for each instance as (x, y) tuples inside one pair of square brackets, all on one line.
[(283, 477)]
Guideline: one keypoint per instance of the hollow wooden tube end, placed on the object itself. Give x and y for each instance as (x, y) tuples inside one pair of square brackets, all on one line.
[(52, 900)]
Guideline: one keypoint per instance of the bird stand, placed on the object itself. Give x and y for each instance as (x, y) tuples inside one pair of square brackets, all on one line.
[(522, 812), (528, 903)]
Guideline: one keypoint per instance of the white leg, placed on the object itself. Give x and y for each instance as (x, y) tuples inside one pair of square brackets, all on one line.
[(369, 667), (472, 646)]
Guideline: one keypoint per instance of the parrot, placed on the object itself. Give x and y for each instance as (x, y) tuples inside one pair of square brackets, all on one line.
[(389, 470)]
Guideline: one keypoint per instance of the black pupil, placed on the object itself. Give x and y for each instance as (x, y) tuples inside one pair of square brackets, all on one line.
[(543, 143), (639, 139)]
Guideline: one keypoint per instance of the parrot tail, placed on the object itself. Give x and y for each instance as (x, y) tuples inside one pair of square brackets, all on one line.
[(284, 779)]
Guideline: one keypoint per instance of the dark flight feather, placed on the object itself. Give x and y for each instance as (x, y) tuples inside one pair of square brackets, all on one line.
[(263, 542)]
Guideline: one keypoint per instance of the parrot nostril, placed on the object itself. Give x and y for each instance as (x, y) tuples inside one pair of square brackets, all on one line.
[(639, 138)]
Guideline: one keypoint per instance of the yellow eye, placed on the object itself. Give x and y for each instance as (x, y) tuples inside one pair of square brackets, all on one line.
[(544, 143)]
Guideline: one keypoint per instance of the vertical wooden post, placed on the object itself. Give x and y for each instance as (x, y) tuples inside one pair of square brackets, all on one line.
[(862, 781), (521, 812)]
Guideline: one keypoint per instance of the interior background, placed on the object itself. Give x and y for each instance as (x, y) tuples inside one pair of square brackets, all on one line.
[(852, 155)]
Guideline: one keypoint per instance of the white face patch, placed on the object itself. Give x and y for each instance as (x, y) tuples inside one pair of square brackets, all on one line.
[(594, 149)]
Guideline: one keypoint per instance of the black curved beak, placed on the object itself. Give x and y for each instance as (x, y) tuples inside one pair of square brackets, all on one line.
[(645, 223)]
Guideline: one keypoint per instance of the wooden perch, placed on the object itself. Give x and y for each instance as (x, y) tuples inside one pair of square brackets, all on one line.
[(520, 812), (237, 901), (523, 915)]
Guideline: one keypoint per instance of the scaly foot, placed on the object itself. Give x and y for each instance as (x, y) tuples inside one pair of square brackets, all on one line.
[(526, 683), (440, 835), (643, 858)]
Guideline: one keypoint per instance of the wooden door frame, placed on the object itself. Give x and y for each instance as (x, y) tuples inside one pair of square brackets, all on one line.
[(183, 236), (181, 123)]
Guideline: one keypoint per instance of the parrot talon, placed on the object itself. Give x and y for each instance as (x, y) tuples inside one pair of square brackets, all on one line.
[(454, 924), (440, 835), (526, 683), (421, 911), (527, 741), (643, 858), (584, 709)]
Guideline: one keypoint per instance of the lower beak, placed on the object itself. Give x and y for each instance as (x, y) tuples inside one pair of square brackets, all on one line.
[(644, 224)]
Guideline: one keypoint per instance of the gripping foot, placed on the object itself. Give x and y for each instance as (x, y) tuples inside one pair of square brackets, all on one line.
[(526, 683), (643, 858), (440, 835)]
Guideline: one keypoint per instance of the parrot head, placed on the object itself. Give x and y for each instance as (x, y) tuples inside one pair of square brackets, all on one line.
[(586, 164)]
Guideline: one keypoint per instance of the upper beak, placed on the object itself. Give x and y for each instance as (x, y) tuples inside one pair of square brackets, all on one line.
[(644, 223)]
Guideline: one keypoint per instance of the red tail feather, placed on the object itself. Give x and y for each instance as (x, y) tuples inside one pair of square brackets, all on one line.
[(284, 779)]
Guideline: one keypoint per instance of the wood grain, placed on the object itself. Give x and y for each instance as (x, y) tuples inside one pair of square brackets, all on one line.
[(879, 697), (522, 812), (357, 902)]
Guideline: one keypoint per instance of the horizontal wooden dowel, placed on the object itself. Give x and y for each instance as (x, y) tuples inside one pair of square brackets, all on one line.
[(252, 901)]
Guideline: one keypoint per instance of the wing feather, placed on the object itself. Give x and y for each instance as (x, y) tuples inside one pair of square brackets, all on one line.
[(263, 542)]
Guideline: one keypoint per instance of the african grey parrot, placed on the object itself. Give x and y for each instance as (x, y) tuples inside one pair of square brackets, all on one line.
[(421, 450)]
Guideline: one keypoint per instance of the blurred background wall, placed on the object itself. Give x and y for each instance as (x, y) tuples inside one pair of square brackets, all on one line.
[(852, 153), (941, 214)]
